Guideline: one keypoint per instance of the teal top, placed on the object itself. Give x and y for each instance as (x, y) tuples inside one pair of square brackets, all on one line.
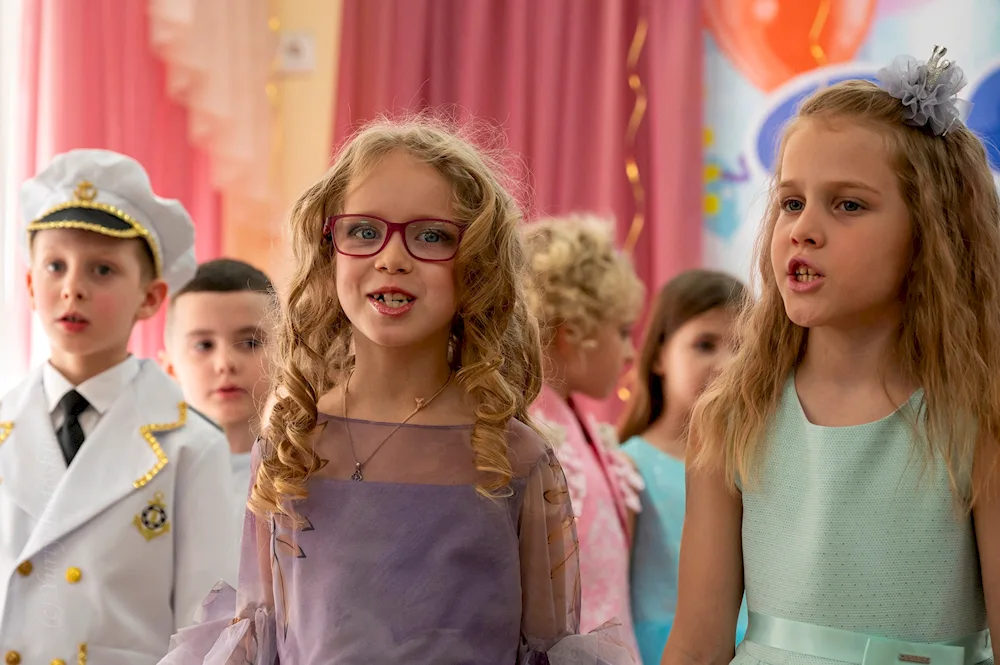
[(847, 528), (656, 548)]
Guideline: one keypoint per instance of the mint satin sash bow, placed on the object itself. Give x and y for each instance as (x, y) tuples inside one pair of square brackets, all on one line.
[(860, 649)]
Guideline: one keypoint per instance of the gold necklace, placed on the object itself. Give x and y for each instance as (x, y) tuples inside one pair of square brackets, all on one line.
[(358, 476)]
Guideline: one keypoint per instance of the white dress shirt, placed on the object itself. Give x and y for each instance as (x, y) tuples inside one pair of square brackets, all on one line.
[(100, 391)]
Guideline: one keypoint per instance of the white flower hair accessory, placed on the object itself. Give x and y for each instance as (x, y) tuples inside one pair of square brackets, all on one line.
[(929, 91)]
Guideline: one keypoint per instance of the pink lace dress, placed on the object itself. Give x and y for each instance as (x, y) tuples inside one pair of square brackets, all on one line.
[(603, 487)]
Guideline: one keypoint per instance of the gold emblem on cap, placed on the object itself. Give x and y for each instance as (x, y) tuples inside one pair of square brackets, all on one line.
[(85, 191)]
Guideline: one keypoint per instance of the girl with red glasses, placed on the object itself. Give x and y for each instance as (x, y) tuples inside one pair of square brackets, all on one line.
[(404, 507)]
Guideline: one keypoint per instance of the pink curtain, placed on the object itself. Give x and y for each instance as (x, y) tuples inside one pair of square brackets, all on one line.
[(90, 80), (555, 75)]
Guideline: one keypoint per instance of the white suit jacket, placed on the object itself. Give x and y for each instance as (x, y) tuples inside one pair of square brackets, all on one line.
[(101, 562)]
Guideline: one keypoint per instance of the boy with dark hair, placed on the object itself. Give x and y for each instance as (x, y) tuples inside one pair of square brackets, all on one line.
[(114, 522), (215, 336)]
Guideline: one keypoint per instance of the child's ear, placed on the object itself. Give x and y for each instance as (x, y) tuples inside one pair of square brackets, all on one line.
[(163, 359), (31, 289), (567, 338), (156, 293), (570, 342)]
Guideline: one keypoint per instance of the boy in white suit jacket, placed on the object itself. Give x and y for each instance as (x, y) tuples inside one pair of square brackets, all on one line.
[(115, 505)]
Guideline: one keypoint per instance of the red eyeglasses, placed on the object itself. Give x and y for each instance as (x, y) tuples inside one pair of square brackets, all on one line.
[(366, 235)]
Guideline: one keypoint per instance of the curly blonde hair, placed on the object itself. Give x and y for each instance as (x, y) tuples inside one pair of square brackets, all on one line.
[(496, 355), (578, 277), (950, 334)]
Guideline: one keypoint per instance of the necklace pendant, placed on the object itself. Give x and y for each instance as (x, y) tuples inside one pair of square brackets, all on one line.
[(356, 476)]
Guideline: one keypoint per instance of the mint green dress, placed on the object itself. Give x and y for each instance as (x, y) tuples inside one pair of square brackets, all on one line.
[(845, 528), (656, 548)]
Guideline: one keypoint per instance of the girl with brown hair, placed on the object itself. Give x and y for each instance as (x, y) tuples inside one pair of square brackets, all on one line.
[(687, 342)]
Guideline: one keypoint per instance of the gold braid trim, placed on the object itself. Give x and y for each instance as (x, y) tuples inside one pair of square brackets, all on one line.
[(138, 230), (148, 433)]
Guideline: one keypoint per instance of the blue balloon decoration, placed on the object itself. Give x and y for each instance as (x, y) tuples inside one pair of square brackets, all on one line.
[(769, 134), (984, 119)]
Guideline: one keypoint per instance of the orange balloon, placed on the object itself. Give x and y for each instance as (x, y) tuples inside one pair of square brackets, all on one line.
[(772, 41)]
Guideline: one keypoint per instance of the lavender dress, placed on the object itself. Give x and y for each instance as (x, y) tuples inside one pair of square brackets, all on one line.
[(410, 566)]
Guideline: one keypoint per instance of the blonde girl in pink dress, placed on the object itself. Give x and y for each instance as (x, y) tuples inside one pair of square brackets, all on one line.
[(587, 296)]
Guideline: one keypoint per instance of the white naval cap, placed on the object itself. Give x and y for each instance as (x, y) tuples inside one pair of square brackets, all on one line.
[(110, 194)]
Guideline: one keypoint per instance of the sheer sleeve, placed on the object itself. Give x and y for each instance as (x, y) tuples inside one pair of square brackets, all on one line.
[(574, 476), (550, 561), (235, 627), (550, 578)]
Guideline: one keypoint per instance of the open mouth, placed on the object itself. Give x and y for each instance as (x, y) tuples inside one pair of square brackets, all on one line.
[(393, 300), (802, 272), (73, 321)]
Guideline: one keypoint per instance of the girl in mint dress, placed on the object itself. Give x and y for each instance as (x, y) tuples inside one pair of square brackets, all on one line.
[(844, 467), (687, 342)]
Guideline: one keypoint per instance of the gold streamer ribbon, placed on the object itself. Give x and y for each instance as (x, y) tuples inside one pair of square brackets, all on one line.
[(635, 120), (631, 166), (815, 50)]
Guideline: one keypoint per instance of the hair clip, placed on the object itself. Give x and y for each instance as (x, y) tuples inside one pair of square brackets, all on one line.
[(928, 91), (935, 65)]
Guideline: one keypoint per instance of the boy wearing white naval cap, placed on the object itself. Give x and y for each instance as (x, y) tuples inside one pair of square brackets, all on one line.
[(115, 515)]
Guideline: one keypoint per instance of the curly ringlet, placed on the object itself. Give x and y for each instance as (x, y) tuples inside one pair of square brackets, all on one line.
[(496, 349), (578, 277), (949, 336)]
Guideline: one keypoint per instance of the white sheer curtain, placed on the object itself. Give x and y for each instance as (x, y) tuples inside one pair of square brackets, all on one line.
[(15, 347), (220, 56)]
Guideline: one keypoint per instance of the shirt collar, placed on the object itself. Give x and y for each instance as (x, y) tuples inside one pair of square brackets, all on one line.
[(101, 390), (552, 404)]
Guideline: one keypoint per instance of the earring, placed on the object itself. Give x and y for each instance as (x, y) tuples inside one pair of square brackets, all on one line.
[(455, 341)]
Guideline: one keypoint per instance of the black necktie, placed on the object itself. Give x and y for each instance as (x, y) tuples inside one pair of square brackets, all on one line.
[(70, 435)]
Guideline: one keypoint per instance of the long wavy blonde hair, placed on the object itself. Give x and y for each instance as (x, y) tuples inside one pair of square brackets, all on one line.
[(950, 335), (496, 349)]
